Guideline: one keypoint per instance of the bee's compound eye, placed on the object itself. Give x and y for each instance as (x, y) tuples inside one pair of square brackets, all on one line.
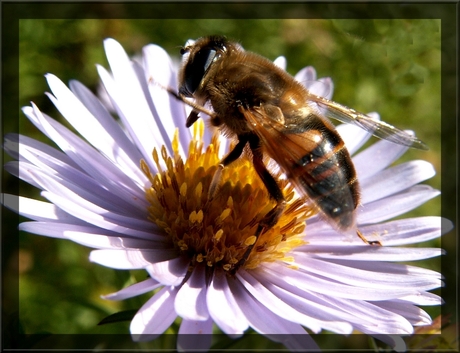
[(197, 68)]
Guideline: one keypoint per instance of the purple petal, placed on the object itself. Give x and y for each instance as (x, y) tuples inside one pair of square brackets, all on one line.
[(159, 68), (155, 316), (398, 232), (195, 336), (395, 179), (128, 259), (395, 205), (281, 62), (171, 272), (274, 303), (265, 322), (316, 283), (376, 158), (223, 308), (134, 290), (190, 301), (38, 210)]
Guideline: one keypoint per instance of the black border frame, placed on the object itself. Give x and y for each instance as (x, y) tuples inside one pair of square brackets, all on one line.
[(448, 12)]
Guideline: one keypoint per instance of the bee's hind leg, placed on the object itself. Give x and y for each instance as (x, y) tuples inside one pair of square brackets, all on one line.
[(271, 218)]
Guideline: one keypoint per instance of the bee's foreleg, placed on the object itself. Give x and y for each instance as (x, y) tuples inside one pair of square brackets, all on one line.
[(234, 154)]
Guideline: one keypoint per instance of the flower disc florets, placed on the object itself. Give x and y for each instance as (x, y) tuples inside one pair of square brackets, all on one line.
[(218, 230)]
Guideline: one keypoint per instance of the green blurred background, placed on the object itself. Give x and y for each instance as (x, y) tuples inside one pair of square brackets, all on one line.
[(392, 66)]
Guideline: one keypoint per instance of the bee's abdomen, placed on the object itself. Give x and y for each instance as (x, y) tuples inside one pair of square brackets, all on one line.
[(329, 178)]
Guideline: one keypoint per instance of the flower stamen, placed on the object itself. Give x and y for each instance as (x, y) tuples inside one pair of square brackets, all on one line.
[(219, 230)]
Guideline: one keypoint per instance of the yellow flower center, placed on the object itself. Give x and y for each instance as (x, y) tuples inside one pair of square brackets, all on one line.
[(218, 231)]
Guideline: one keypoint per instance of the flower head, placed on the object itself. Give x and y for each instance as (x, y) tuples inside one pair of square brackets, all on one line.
[(137, 192)]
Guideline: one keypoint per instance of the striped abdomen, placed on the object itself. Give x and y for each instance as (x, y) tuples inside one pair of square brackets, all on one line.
[(326, 174)]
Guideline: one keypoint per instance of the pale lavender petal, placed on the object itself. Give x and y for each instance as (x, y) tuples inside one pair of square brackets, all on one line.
[(408, 230), (395, 205), (316, 283), (160, 74), (165, 127), (367, 253), (48, 229), (129, 100), (128, 259), (190, 301), (222, 306), (322, 87), (275, 304), (344, 272), (376, 158), (412, 313), (281, 62), (306, 75), (15, 144), (195, 336), (123, 152), (96, 129), (93, 163), (423, 298), (259, 317), (77, 183), (133, 290), (94, 237), (398, 232), (327, 318), (114, 93), (372, 319), (171, 272), (321, 305), (155, 316), (74, 179), (21, 170), (265, 322), (88, 236), (328, 87), (103, 218), (395, 179), (38, 210)]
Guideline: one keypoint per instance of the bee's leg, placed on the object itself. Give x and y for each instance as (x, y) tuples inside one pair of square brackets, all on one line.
[(272, 217), (234, 154), (371, 242)]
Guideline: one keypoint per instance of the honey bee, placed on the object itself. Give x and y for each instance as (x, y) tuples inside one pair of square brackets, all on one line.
[(271, 113)]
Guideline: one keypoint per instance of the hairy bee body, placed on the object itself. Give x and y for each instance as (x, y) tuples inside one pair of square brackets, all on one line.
[(271, 113)]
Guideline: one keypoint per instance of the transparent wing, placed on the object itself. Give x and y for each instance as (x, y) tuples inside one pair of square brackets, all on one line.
[(379, 129)]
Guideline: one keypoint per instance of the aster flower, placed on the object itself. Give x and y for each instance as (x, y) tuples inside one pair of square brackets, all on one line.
[(136, 191)]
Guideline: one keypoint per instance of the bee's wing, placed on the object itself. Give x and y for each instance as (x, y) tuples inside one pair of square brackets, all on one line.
[(312, 161), (378, 128)]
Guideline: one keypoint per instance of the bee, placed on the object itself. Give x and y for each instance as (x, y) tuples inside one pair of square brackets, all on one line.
[(271, 113)]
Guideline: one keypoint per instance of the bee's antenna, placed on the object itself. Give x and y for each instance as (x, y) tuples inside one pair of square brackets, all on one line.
[(180, 97)]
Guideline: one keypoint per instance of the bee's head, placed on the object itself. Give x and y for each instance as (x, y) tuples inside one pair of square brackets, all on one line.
[(198, 57)]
